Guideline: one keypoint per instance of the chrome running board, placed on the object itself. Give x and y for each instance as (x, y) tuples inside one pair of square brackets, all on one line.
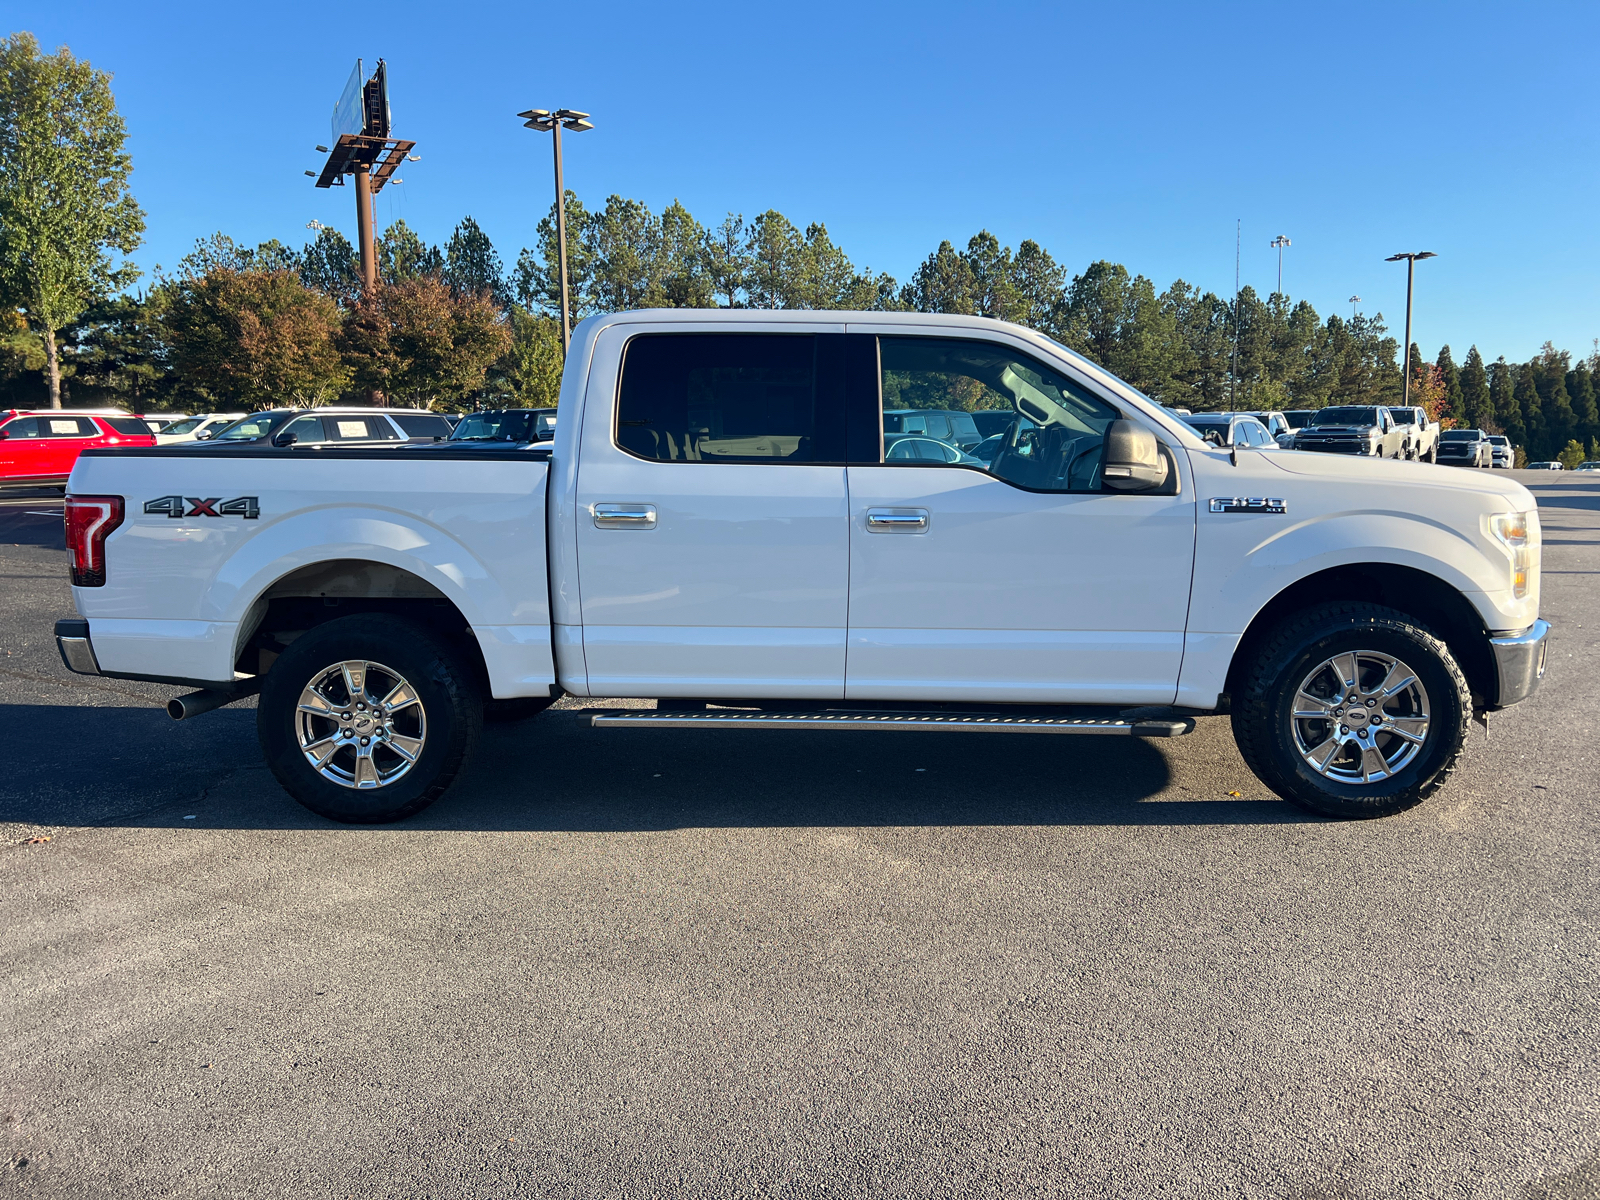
[(895, 722)]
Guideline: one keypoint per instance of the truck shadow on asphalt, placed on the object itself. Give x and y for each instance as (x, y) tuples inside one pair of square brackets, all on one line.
[(133, 767)]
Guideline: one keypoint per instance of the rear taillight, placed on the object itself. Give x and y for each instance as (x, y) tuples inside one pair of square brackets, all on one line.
[(90, 520)]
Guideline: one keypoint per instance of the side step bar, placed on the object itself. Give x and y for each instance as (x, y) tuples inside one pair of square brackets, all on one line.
[(892, 721)]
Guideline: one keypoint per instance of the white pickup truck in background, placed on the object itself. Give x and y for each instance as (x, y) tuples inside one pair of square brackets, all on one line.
[(716, 527), (1421, 433)]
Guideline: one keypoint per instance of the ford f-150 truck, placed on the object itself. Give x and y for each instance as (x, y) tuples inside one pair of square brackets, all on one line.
[(1362, 429), (716, 527)]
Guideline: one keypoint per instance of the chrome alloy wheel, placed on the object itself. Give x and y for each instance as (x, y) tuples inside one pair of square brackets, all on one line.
[(1360, 717), (353, 737)]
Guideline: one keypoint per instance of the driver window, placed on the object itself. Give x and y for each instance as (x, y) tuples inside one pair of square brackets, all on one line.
[(1056, 433)]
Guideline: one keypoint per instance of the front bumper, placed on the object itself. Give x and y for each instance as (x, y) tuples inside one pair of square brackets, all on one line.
[(1519, 661)]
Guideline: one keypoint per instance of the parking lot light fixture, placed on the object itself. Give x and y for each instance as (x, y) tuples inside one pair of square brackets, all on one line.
[(1411, 260), (546, 121)]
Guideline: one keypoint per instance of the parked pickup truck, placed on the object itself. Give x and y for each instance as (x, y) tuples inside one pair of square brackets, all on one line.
[(1361, 429), (1422, 435), (714, 527)]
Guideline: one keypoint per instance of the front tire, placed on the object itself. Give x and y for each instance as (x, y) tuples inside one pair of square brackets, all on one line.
[(1352, 710), (368, 719)]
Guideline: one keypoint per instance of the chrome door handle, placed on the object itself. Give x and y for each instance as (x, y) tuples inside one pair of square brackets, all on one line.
[(897, 520), (624, 516)]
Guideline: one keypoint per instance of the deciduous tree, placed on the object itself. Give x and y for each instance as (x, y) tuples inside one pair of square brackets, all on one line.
[(65, 207), (253, 338), (415, 342)]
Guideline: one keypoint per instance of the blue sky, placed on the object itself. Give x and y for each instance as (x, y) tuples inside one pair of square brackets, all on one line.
[(1134, 132)]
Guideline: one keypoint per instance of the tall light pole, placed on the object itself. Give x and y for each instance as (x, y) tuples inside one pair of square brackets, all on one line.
[(1278, 243), (1411, 261), (1355, 300), (554, 122)]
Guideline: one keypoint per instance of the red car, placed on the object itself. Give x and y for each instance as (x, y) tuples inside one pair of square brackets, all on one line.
[(39, 448)]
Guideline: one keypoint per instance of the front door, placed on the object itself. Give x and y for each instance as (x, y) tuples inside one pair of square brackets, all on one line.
[(1018, 579), (713, 530)]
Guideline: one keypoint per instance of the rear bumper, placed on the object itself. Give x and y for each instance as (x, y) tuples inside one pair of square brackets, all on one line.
[(77, 651), (1519, 660)]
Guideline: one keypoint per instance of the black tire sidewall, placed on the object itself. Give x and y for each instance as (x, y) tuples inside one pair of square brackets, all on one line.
[(1447, 718), (427, 663)]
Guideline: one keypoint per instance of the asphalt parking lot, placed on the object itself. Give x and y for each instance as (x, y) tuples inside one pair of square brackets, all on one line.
[(640, 963)]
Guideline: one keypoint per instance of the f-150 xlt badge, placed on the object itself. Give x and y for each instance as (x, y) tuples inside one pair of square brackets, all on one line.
[(1248, 504), (248, 507)]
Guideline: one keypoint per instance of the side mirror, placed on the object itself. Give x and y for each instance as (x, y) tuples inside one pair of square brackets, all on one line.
[(4, 435), (205, 435), (285, 439), (1132, 461)]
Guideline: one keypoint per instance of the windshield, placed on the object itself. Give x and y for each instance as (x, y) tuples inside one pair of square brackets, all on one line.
[(1298, 418), (188, 426), (1462, 435), (256, 425), (1201, 421), (1500, 440), (1404, 416), (503, 425), (1347, 415)]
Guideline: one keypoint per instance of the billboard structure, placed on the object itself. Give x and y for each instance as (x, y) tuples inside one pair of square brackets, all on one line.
[(363, 149)]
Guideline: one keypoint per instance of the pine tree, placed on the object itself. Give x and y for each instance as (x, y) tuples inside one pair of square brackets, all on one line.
[(1476, 410), (725, 261), (1585, 409), (1503, 402), (402, 255), (329, 264), (472, 266), (943, 284), (1455, 406), (1526, 393)]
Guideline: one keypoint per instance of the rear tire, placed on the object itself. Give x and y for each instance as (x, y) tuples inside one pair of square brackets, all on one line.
[(1288, 711), (376, 688)]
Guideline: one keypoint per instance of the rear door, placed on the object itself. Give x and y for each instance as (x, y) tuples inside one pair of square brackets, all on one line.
[(713, 530), (1024, 582), (61, 440)]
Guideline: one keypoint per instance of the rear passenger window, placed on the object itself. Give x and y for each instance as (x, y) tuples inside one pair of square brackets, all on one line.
[(734, 398), (127, 426), (422, 425), (67, 427), (359, 429)]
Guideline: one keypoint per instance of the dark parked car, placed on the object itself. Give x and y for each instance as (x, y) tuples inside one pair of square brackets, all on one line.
[(993, 421), (284, 427), (507, 425)]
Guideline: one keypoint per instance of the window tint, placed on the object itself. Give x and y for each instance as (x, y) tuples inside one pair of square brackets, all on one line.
[(421, 425), (1057, 430), (305, 429), (67, 427), (256, 425), (186, 426), (22, 427), (346, 428), (128, 426), (729, 398)]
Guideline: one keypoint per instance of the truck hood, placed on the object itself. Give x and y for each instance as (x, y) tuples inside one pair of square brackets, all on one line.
[(1336, 429), (1392, 473)]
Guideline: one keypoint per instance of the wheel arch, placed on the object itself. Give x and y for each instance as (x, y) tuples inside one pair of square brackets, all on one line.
[(315, 593), (1424, 597)]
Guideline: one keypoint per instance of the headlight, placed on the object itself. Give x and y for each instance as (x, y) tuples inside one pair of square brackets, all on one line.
[(1519, 534)]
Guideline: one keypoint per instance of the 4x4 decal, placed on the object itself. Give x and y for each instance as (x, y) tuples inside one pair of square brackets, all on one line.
[(248, 507)]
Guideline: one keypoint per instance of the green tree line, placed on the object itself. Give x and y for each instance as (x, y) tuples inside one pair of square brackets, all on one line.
[(450, 326)]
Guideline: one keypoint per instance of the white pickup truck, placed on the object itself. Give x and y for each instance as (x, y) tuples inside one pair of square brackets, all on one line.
[(715, 527)]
